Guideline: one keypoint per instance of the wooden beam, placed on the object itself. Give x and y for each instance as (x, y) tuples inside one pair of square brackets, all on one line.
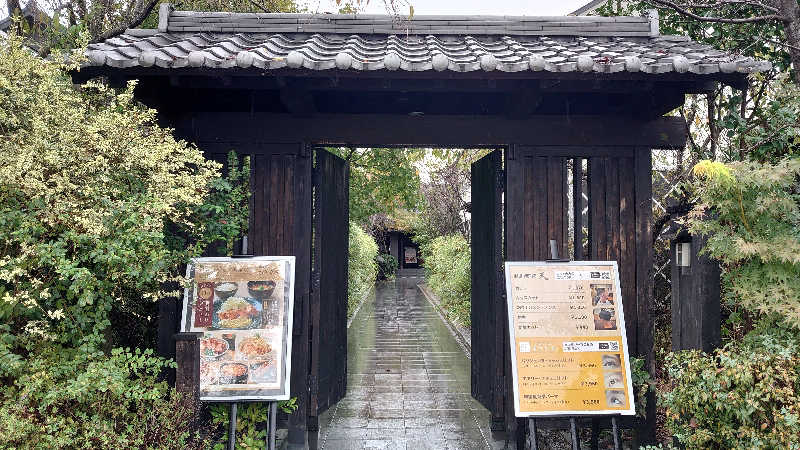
[(736, 80), (443, 130), (295, 97)]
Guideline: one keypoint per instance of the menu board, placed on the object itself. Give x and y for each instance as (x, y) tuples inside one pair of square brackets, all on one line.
[(567, 330), (243, 307)]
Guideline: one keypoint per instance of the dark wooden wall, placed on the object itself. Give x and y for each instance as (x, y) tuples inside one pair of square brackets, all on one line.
[(488, 306), (620, 210), (696, 314), (280, 224)]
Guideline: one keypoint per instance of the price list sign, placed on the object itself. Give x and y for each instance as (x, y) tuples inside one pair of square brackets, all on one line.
[(567, 329)]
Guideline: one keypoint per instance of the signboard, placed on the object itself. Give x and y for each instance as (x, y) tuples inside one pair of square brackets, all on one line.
[(567, 330), (243, 307)]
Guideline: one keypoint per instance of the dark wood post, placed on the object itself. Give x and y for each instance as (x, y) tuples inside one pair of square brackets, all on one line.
[(643, 185), (695, 298), (187, 355)]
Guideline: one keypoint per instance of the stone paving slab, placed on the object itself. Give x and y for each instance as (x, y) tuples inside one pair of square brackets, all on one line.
[(408, 381)]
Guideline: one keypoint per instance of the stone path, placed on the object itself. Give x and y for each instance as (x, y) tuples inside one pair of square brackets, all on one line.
[(408, 381)]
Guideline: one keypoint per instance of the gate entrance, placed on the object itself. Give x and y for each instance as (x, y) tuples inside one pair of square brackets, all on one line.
[(546, 90)]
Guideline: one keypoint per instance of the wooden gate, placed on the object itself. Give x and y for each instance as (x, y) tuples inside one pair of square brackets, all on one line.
[(328, 371), (488, 303)]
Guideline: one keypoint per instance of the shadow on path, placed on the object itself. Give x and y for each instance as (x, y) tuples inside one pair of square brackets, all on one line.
[(408, 381)]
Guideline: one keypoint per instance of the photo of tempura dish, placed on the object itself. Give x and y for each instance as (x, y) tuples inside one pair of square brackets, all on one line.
[(236, 313), (253, 347)]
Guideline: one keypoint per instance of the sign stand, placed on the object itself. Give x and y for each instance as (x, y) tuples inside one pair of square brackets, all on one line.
[(271, 426), (273, 406), (573, 423), (232, 428)]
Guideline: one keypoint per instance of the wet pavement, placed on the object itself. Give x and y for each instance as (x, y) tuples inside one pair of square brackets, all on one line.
[(408, 381)]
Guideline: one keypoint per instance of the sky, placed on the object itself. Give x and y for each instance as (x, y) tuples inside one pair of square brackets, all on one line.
[(483, 7), (426, 7)]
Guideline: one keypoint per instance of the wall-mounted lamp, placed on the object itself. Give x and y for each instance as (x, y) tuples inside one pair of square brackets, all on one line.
[(683, 254)]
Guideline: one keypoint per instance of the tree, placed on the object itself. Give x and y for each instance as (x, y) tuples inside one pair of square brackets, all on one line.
[(106, 19), (756, 123), (445, 195), (783, 13), (382, 180), (99, 206)]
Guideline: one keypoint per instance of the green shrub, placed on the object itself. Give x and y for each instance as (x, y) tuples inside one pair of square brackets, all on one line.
[(387, 266), (447, 266), (745, 395), (750, 213), (361, 266), (68, 399), (99, 206), (251, 418)]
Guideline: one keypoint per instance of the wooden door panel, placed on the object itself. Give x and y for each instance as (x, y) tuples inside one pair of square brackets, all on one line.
[(328, 375), (488, 304)]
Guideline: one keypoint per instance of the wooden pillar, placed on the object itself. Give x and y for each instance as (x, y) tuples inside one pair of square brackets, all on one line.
[(643, 185), (187, 355)]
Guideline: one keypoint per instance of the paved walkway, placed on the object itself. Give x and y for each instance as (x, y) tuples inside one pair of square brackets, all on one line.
[(408, 381)]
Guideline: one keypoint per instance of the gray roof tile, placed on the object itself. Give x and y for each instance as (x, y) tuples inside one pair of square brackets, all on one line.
[(456, 43)]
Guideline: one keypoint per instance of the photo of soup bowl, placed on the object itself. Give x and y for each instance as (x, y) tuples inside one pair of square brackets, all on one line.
[(261, 289), (225, 290)]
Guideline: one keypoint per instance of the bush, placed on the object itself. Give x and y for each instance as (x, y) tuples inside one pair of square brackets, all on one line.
[(745, 395), (361, 266), (387, 266), (67, 399), (447, 266), (99, 206), (750, 213)]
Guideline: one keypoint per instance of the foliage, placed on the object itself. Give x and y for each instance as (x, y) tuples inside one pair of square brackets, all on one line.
[(751, 216), (443, 210), (447, 266), (382, 180), (775, 132), (72, 21), (387, 266), (642, 382), (362, 269), (726, 124), (745, 395), (98, 208), (251, 419), (65, 398), (223, 215)]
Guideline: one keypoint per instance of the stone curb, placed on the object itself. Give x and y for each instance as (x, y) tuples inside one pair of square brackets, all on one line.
[(458, 331)]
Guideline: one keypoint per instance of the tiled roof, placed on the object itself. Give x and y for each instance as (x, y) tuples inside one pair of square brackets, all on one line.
[(455, 43)]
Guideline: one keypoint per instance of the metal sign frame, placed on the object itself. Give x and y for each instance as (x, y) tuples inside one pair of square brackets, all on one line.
[(631, 410)]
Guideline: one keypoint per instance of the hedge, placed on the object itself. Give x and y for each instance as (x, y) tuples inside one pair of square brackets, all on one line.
[(362, 268), (447, 267)]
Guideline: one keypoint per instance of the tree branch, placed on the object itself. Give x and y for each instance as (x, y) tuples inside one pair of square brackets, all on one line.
[(137, 20), (685, 12)]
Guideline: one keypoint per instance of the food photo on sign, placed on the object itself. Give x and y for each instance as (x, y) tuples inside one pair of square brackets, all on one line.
[(241, 307)]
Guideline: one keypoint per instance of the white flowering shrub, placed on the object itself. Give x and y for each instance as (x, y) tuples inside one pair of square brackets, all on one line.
[(98, 207)]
